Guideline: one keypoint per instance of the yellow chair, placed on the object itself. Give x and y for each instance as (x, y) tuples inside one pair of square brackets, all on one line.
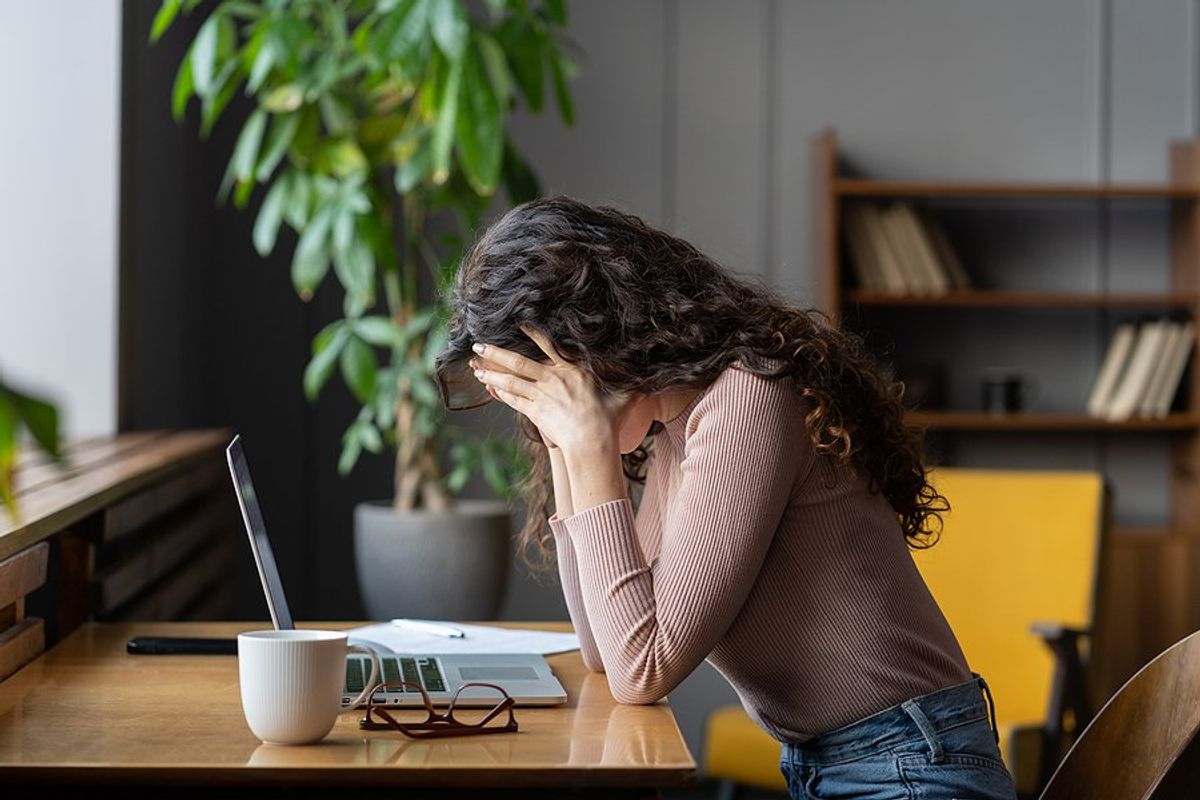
[(1015, 574)]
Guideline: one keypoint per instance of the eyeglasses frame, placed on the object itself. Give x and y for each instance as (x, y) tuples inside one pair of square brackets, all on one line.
[(439, 724)]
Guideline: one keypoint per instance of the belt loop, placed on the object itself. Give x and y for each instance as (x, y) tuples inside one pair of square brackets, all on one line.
[(991, 705), (931, 738)]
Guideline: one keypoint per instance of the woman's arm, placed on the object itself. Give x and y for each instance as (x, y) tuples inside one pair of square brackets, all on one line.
[(653, 626), (568, 573)]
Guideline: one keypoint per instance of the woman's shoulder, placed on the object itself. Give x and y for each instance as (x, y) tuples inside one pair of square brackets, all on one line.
[(747, 388)]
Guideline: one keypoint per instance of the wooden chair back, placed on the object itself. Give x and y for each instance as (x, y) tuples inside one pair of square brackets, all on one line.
[(1137, 745)]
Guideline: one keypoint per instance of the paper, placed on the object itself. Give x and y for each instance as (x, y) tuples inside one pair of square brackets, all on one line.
[(478, 639)]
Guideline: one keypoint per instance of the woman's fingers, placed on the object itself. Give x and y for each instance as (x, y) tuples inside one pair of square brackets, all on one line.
[(542, 341), (513, 362), (513, 401), (507, 382)]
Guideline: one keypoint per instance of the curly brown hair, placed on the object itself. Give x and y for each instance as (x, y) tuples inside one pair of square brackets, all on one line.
[(641, 310)]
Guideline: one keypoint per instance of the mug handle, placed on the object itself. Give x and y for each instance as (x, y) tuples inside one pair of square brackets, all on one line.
[(375, 670)]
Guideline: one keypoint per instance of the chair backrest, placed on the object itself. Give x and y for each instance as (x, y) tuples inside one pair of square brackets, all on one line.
[(1140, 733), (1017, 547)]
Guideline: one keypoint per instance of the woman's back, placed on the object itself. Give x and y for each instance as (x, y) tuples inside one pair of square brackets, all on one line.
[(837, 623)]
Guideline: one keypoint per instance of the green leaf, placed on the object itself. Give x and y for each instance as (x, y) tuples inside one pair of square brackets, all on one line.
[(283, 99), (524, 48), (311, 260), (480, 128), (351, 450), (163, 18), (283, 130), (369, 437), (204, 55), (497, 67), (555, 11), (385, 398), (299, 200), (8, 448), (343, 229), (449, 25), (443, 131), (378, 330), (270, 216), (414, 169), (40, 417), (181, 91), (562, 93), (401, 29), (327, 349), (354, 266), (245, 152), (212, 106), (263, 61), (336, 115), (359, 368)]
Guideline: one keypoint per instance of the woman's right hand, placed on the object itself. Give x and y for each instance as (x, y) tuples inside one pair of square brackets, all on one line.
[(545, 439)]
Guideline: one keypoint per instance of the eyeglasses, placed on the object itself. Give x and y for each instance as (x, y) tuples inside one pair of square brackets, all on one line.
[(478, 711), (459, 387)]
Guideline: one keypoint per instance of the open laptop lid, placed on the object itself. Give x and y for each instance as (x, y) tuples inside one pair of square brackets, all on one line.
[(264, 557)]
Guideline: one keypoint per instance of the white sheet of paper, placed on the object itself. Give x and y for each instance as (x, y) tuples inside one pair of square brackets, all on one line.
[(478, 639)]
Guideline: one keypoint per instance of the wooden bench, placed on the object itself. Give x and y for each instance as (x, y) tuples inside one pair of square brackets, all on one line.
[(136, 527)]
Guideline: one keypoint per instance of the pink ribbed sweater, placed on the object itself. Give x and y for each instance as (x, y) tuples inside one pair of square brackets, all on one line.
[(755, 553)]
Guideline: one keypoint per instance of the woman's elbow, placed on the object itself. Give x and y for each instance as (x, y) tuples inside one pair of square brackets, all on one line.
[(632, 694)]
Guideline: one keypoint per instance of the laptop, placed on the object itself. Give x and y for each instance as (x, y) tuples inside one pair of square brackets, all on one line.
[(526, 677)]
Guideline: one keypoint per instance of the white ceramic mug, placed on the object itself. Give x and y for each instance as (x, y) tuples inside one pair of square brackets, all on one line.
[(292, 682)]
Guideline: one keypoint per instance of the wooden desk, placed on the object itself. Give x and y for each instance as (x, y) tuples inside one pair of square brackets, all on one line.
[(85, 714), (140, 526)]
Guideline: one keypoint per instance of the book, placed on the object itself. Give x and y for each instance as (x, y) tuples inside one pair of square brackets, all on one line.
[(1162, 363), (1127, 397), (867, 269), (944, 251), (1115, 360), (1177, 366), (905, 249), (933, 278), (891, 273)]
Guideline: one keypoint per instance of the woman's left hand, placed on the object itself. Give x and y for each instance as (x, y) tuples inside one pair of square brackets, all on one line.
[(559, 398)]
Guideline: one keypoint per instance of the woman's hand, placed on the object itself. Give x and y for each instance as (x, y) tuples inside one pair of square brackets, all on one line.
[(558, 397)]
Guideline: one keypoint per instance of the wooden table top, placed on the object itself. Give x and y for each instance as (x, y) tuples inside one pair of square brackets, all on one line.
[(98, 472), (86, 712)]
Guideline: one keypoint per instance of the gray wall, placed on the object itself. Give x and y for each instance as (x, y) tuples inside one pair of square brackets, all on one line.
[(697, 114)]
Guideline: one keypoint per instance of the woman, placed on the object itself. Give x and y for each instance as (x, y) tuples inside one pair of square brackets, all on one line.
[(781, 493)]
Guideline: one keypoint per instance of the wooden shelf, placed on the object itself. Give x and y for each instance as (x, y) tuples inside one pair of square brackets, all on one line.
[(1045, 421), (982, 298), (861, 187)]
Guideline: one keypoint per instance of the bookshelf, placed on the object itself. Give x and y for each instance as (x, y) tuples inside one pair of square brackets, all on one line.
[(1149, 592)]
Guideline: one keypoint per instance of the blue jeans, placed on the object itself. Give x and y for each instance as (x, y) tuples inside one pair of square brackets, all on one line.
[(938, 745)]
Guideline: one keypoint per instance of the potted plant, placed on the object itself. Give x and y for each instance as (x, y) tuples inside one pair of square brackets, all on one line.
[(374, 122)]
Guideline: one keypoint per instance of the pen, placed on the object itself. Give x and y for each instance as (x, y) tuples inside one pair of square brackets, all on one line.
[(429, 627)]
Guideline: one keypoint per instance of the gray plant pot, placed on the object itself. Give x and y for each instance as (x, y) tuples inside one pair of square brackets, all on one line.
[(430, 564)]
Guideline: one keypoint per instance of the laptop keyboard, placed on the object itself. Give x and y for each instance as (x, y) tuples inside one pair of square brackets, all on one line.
[(425, 671)]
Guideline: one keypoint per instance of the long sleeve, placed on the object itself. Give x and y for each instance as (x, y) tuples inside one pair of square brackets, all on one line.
[(568, 576), (653, 624)]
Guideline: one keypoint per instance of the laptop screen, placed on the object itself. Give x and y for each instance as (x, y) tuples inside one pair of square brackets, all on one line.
[(264, 558)]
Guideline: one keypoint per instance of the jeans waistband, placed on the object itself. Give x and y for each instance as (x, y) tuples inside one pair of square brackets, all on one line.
[(913, 719)]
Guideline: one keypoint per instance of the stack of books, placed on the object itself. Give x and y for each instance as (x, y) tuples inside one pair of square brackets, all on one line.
[(1142, 369), (899, 250)]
